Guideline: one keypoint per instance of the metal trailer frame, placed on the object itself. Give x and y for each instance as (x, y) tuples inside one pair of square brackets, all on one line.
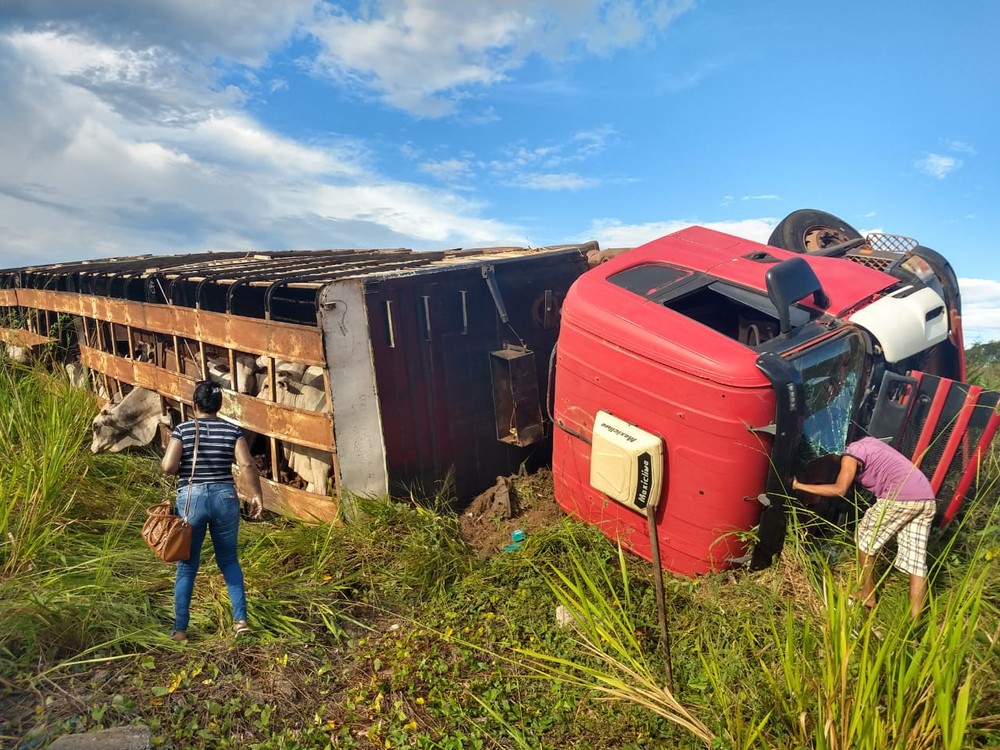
[(311, 308)]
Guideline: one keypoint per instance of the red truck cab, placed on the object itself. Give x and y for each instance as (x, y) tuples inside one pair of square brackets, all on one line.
[(696, 374)]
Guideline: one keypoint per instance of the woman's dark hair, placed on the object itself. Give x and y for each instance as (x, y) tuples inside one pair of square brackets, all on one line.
[(207, 396)]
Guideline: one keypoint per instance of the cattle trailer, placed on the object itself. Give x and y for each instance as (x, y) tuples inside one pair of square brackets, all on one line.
[(434, 364)]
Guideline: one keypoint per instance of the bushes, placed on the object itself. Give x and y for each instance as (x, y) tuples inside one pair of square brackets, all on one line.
[(390, 630)]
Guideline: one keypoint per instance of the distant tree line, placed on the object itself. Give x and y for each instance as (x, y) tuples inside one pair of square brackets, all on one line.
[(983, 363)]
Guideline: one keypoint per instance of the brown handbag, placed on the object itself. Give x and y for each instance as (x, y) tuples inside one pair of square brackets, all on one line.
[(167, 533)]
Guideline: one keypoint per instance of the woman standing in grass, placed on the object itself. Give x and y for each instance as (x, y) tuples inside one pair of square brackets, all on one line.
[(206, 495)]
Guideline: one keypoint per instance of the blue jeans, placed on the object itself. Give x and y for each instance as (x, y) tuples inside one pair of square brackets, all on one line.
[(214, 507)]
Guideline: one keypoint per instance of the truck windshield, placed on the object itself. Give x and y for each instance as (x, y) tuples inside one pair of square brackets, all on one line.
[(832, 380)]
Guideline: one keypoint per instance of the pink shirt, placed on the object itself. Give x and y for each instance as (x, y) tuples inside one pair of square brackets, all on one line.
[(887, 473)]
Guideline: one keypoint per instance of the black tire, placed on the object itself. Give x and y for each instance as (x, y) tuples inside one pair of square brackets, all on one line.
[(810, 231)]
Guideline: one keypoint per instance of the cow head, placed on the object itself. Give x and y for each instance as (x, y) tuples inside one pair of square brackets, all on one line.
[(132, 422)]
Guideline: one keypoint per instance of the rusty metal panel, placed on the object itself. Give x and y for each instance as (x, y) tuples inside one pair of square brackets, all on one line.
[(21, 337), (290, 501), (287, 341), (308, 428), (305, 428), (8, 298)]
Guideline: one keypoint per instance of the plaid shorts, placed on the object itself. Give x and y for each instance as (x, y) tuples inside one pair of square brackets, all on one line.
[(909, 522)]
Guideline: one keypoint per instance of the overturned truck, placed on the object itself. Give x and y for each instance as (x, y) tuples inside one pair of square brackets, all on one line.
[(352, 372), (697, 374), (694, 376)]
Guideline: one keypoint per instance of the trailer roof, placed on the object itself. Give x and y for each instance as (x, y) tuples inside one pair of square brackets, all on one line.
[(217, 280), (309, 268)]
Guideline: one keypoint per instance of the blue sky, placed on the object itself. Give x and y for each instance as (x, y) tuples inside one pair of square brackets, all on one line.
[(186, 125)]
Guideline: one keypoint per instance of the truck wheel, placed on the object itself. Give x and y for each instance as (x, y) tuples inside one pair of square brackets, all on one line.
[(809, 231)]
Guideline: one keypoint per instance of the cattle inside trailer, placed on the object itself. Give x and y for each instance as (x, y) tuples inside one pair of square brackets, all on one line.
[(364, 372)]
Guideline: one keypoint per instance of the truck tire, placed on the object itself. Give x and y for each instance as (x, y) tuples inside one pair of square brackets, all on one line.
[(808, 231)]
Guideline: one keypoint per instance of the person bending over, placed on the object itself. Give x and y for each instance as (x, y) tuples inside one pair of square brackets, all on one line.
[(904, 508), (205, 488)]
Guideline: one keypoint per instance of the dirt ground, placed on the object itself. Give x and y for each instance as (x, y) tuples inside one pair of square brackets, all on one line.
[(518, 503)]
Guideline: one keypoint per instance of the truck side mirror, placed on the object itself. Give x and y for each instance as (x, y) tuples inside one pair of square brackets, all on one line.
[(790, 281)]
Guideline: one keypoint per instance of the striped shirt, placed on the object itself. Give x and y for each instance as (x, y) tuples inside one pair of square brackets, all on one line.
[(216, 450)]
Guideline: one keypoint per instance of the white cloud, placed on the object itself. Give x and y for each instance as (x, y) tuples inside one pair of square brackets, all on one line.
[(728, 200), (959, 146), (938, 166), (117, 150), (543, 167), (242, 31), (423, 56), (980, 309), (447, 170), (126, 127), (554, 181), (612, 233)]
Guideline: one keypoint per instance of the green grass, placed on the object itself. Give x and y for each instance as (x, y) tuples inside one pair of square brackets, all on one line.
[(390, 632)]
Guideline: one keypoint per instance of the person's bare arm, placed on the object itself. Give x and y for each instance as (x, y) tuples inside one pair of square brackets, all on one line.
[(845, 477), (171, 461), (249, 469)]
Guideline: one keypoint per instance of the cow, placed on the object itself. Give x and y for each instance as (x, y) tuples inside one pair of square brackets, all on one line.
[(289, 372), (133, 421), (248, 374), (18, 354), (76, 373), (304, 388)]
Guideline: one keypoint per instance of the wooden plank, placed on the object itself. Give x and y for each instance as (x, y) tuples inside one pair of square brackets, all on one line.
[(306, 428), (286, 341)]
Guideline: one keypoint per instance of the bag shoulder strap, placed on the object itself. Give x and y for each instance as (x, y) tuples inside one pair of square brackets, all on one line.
[(194, 463)]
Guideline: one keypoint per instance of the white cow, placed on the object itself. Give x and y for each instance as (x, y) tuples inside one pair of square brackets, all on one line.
[(304, 388), (131, 422), (76, 373), (19, 354), (248, 373), (289, 372)]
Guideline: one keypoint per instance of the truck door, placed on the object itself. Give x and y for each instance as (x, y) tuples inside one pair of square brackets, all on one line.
[(944, 426)]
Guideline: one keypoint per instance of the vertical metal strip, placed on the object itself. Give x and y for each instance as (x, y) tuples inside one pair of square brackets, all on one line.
[(958, 431), (272, 384), (99, 328), (234, 381), (177, 353), (972, 469), (937, 406), (202, 360), (389, 327), (427, 317), (334, 458)]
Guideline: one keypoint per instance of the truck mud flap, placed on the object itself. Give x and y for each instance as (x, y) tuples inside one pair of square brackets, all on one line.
[(944, 426)]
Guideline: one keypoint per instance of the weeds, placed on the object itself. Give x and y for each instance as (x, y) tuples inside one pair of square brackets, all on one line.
[(42, 429), (388, 631)]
